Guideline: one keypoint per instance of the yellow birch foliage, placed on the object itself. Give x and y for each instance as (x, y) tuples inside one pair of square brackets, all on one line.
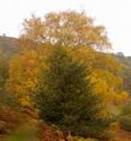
[(67, 29), (105, 75), (23, 75)]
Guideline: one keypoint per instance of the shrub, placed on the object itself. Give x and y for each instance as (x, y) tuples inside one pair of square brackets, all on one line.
[(125, 117), (126, 122)]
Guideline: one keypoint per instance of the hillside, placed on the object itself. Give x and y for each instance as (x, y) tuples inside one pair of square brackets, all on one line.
[(9, 45), (126, 61)]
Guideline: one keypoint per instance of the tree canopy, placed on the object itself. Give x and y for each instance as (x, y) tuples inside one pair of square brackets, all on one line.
[(66, 29)]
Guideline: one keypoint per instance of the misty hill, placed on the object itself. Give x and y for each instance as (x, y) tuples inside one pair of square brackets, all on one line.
[(9, 45), (126, 61)]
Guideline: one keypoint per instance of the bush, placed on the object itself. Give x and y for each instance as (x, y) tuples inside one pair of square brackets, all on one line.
[(7, 100), (126, 122), (125, 117)]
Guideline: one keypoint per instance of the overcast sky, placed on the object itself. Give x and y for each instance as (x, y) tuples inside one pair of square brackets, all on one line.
[(113, 14)]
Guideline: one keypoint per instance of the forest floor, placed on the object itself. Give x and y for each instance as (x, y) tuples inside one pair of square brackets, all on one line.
[(31, 128), (123, 135), (27, 131)]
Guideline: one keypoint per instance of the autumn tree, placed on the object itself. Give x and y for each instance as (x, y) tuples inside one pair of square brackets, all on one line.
[(23, 74), (66, 29), (106, 74), (83, 39), (73, 29)]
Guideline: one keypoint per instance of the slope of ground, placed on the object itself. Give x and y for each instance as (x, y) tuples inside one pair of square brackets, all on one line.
[(123, 135)]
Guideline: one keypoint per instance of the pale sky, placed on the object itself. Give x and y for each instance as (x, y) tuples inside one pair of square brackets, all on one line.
[(113, 14)]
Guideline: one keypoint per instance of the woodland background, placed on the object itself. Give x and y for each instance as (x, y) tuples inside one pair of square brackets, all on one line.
[(58, 82)]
